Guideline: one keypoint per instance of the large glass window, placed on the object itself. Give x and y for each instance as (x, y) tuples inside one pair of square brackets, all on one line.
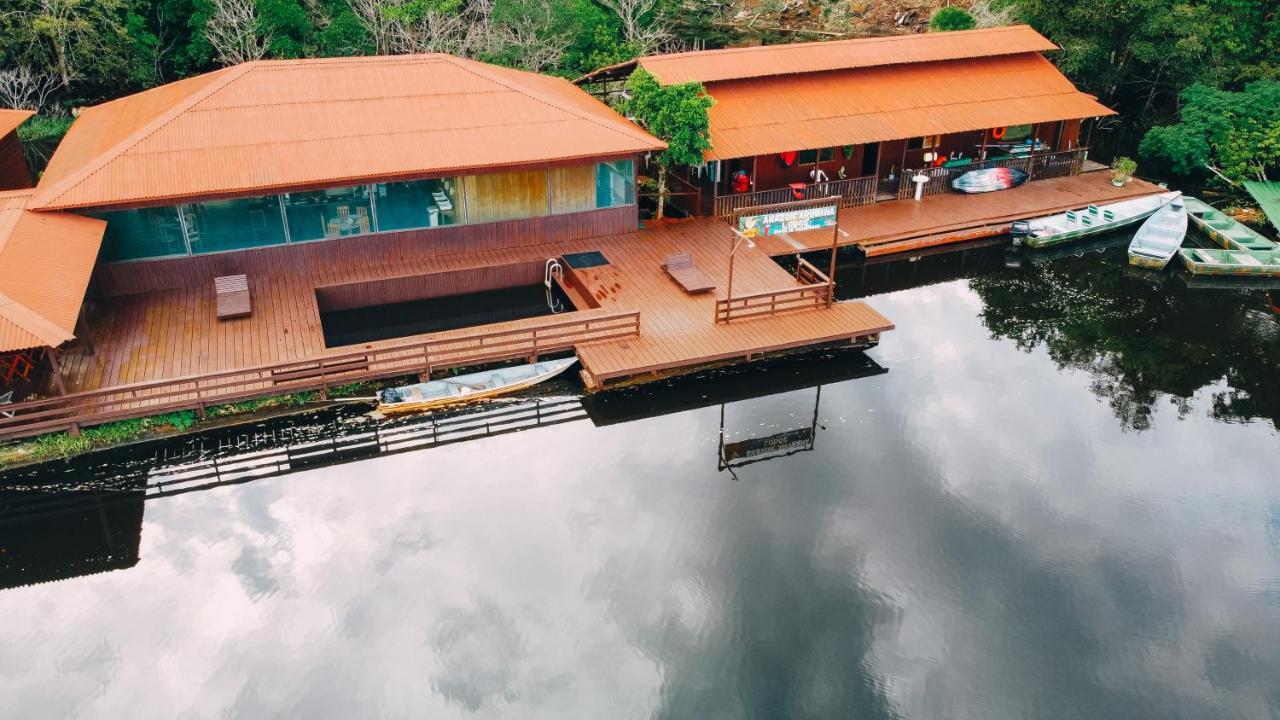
[(417, 204), (615, 184), (219, 225), (329, 213), (143, 233)]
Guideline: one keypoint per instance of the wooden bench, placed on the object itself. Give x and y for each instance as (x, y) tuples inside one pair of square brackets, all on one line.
[(233, 296), (681, 269)]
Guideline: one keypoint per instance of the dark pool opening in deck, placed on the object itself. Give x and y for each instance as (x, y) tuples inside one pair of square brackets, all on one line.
[(352, 326)]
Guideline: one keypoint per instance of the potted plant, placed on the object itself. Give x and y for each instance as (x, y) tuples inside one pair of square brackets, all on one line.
[(1122, 169)]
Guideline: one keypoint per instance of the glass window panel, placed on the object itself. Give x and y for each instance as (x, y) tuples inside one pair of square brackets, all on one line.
[(615, 184), (826, 154), (329, 213), (806, 157), (219, 225), (142, 233), (417, 204)]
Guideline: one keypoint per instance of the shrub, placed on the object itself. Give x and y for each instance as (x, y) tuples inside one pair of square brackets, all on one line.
[(952, 18)]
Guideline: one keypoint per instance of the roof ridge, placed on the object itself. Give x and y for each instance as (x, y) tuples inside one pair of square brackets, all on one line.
[(48, 196), (843, 41), (32, 321), (488, 74)]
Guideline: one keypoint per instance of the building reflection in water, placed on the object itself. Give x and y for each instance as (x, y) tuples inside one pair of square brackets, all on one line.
[(74, 518)]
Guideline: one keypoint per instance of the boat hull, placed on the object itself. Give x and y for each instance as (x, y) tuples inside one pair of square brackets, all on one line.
[(1150, 263), (1268, 264), (473, 394), (1102, 228)]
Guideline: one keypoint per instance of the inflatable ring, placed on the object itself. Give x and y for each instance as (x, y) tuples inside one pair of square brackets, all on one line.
[(998, 133)]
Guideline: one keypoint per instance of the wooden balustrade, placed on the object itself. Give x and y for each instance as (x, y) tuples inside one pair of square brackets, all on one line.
[(764, 304), (809, 274), (199, 392), (1040, 166), (851, 191)]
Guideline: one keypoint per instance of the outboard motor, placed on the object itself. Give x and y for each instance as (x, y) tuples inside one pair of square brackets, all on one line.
[(1021, 229)]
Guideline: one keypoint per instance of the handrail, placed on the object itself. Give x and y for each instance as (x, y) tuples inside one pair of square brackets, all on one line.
[(438, 352), (1037, 166), (772, 302), (851, 191)]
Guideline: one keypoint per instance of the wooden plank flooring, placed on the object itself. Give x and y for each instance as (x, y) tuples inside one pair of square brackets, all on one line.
[(175, 333), (904, 225)]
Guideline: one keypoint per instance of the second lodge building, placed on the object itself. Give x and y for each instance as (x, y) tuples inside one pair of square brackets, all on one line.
[(867, 112)]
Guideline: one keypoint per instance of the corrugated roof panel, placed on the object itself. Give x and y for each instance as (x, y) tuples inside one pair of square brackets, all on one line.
[(45, 263), (11, 119), (707, 66), (769, 115), (272, 125)]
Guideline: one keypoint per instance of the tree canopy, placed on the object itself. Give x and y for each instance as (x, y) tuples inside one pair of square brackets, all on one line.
[(675, 114), (952, 18), (1234, 135)]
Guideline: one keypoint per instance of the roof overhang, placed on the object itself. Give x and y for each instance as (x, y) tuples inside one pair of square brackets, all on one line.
[(11, 119), (46, 260)]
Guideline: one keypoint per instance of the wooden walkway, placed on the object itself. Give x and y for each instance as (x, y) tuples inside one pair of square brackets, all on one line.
[(174, 334), (904, 225)]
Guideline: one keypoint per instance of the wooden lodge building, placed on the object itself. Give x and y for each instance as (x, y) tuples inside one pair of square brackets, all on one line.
[(859, 118)]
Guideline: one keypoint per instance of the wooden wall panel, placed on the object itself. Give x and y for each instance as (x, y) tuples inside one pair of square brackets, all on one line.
[(573, 189), (359, 255), (14, 173), (505, 196), (423, 287)]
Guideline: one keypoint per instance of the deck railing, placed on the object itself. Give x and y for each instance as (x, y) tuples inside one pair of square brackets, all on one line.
[(774, 302), (200, 392), (1041, 166), (680, 193), (851, 191)]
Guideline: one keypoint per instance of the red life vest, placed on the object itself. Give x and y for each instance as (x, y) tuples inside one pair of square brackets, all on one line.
[(741, 183)]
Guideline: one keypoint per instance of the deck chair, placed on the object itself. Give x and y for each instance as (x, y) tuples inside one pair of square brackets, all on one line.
[(681, 269)]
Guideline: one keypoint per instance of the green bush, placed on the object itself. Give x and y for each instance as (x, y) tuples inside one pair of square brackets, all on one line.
[(952, 18), (45, 128)]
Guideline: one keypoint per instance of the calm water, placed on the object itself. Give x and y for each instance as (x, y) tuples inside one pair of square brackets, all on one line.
[(1052, 492)]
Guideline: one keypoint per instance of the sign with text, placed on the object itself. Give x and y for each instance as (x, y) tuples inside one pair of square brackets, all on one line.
[(787, 221)]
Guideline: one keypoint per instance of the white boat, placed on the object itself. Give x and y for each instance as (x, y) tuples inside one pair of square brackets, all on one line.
[(469, 387), (1159, 238), (1093, 220)]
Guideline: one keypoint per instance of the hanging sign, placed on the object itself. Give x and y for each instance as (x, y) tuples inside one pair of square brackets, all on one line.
[(787, 221)]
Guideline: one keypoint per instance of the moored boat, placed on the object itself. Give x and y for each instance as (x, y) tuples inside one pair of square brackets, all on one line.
[(1205, 261), (468, 387), (989, 180), (1159, 238), (1073, 225), (1225, 230)]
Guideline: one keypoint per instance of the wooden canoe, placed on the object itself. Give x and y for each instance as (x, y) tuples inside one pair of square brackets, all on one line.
[(469, 387), (1256, 263), (1074, 225), (1160, 236)]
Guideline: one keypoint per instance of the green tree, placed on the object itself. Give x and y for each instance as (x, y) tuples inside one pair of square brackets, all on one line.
[(677, 115), (1233, 135), (951, 18)]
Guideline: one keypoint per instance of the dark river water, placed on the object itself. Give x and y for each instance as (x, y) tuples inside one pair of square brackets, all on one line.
[(1051, 492)]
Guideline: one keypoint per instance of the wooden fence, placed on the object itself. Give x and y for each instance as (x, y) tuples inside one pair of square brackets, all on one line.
[(199, 392), (774, 302), (1042, 166), (852, 192)]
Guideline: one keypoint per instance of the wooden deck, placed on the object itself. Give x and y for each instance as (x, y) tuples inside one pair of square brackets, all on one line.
[(144, 337), (906, 225)]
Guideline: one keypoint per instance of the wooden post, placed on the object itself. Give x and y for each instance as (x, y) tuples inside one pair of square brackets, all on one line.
[(52, 355), (831, 269)]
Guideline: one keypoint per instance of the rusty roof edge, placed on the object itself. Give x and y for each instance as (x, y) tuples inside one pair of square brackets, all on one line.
[(606, 69), (32, 322), (46, 197)]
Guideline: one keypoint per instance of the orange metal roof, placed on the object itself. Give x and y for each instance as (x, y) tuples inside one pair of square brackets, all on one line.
[(45, 262), (707, 66), (273, 125), (770, 115), (11, 119)]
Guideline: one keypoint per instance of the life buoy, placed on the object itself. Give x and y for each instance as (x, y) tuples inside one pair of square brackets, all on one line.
[(998, 133)]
